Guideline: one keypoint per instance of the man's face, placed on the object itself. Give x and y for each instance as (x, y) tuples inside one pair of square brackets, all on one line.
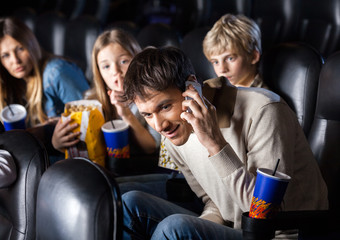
[(162, 112)]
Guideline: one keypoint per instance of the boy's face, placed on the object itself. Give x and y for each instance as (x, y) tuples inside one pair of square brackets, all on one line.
[(162, 112), (238, 70)]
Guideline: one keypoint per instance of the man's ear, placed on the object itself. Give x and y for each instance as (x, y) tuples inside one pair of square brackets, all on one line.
[(256, 57), (192, 77)]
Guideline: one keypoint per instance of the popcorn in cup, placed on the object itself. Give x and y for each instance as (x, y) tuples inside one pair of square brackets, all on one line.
[(88, 115), (14, 116)]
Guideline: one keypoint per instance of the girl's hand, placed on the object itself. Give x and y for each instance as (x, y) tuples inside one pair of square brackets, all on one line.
[(203, 119), (122, 107), (63, 137)]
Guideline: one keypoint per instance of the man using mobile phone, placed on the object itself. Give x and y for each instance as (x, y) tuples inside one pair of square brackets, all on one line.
[(218, 146)]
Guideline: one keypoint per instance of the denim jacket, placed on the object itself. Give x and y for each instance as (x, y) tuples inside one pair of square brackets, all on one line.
[(62, 82)]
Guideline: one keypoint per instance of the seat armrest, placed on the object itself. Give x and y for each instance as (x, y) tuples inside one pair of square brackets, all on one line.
[(313, 222)]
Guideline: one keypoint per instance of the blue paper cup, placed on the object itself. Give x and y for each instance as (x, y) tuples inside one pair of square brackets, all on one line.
[(268, 193), (117, 139), (14, 119)]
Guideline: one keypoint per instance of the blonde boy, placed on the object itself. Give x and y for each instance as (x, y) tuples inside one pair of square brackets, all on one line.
[(233, 46)]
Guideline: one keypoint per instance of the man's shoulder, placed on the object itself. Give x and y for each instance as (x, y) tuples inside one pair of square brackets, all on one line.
[(221, 88), (261, 95), (215, 83)]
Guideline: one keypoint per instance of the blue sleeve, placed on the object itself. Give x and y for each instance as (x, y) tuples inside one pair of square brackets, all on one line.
[(63, 82)]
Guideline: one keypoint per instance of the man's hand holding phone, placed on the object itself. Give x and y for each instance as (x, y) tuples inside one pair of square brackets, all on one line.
[(201, 115), (197, 87)]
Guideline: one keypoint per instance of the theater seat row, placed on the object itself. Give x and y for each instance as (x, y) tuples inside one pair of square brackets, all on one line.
[(290, 69), (76, 199), (312, 21)]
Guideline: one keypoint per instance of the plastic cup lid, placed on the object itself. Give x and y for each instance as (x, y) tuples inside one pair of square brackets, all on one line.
[(269, 173), (119, 125), (19, 112)]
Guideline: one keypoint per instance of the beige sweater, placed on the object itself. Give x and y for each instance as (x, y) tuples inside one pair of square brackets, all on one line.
[(259, 128)]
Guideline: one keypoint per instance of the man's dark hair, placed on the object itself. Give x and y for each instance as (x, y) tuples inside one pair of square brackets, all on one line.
[(156, 69)]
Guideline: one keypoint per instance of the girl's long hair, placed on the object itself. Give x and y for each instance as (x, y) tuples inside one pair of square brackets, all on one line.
[(99, 91), (15, 90)]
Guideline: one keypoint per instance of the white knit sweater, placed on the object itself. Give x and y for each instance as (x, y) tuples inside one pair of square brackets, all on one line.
[(259, 128)]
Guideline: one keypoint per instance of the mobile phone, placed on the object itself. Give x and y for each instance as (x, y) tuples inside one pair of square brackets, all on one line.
[(198, 88)]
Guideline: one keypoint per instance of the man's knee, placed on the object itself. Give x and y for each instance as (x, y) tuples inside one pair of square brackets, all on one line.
[(132, 197), (174, 225)]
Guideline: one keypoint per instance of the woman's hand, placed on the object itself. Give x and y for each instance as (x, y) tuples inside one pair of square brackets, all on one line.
[(63, 137), (203, 119)]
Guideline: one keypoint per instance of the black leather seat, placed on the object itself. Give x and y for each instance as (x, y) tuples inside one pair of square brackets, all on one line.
[(18, 201), (71, 9), (319, 25), (276, 19), (219, 8), (324, 136), (80, 35), (158, 35), (192, 47), (50, 31), (48, 5), (292, 71), (126, 25), (28, 15), (78, 199), (181, 15), (96, 8)]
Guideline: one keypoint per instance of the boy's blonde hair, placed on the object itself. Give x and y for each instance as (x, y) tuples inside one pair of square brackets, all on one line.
[(236, 33)]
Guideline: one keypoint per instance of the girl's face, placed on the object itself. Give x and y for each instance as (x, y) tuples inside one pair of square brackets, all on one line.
[(15, 58), (113, 62)]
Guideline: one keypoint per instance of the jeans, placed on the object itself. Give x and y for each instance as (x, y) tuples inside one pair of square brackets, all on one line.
[(169, 186), (149, 217)]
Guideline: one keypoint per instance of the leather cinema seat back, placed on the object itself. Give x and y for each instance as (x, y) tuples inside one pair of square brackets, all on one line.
[(292, 71), (181, 15), (27, 15), (192, 47), (78, 199), (97, 8), (276, 19), (324, 136), (319, 25), (126, 25), (50, 31), (18, 201), (219, 8), (158, 35), (80, 35)]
